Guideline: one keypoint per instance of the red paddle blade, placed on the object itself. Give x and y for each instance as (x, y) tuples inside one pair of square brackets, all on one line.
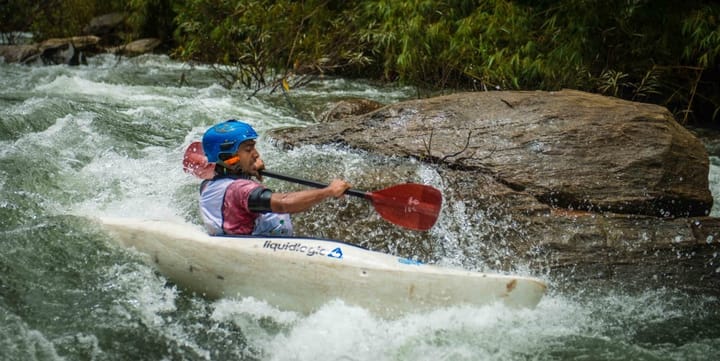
[(195, 162), (410, 205)]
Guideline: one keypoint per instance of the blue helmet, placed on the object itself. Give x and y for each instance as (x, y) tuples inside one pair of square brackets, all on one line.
[(225, 138)]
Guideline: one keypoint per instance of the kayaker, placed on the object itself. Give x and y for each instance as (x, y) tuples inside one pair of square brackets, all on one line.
[(233, 203)]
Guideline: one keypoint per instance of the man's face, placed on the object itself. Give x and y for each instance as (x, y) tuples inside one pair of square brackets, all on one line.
[(247, 155)]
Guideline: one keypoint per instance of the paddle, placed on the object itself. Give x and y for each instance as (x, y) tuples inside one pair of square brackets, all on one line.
[(410, 205)]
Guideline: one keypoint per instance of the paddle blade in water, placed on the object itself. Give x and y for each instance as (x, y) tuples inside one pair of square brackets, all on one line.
[(195, 162), (410, 205)]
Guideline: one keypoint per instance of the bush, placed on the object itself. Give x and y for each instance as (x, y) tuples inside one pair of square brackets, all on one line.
[(661, 51), (260, 43)]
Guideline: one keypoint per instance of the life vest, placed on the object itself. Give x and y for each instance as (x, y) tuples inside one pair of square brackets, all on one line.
[(273, 224), (212, 198)]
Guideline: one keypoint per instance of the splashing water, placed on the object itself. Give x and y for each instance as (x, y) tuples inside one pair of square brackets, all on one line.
[(107, 139)]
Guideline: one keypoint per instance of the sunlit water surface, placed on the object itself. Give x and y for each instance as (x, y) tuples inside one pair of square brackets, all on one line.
[(107, 139)]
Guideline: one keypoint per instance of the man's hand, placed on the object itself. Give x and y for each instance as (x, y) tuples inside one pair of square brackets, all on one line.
[(258, 167), (338, 187)]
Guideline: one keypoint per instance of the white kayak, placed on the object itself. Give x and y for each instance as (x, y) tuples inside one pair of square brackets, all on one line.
[(302, 274)]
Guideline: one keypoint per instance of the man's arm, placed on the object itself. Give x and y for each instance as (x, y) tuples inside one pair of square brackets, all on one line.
[(295, 202)]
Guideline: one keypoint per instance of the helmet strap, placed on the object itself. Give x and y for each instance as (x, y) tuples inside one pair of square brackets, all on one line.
[(230, 167), (232, 160)]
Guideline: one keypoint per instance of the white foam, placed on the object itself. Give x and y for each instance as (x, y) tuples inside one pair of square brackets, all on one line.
[(341, 332)]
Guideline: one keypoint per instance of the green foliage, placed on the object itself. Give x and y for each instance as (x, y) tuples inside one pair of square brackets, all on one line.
[(661, 51), (701, 29), (496, 44), (60, 18), (151, 18), (259, 43), (14, 17), (64, 18)]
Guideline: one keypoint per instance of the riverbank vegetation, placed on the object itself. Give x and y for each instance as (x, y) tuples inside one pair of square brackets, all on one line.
[(664, 52)]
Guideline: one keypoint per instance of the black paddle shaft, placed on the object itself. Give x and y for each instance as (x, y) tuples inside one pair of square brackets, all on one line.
[(309, 183)]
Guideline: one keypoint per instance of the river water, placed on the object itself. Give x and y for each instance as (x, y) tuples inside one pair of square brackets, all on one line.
[(107, 139)]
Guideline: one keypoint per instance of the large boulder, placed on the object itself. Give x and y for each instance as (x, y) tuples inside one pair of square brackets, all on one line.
[(588, 186), (106, 24), (568, 149)]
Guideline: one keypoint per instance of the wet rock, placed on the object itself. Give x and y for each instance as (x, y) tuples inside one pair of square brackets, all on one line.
[(143, 46), (67, 51), (137, 47), (72, 50), (84, 43), (18, 53), (66, 54), (567, 149), (581, 184), (348, 107)]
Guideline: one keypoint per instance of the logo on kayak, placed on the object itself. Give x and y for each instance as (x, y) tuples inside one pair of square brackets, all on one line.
[(336, 253), (409, 261), (301, 248)]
